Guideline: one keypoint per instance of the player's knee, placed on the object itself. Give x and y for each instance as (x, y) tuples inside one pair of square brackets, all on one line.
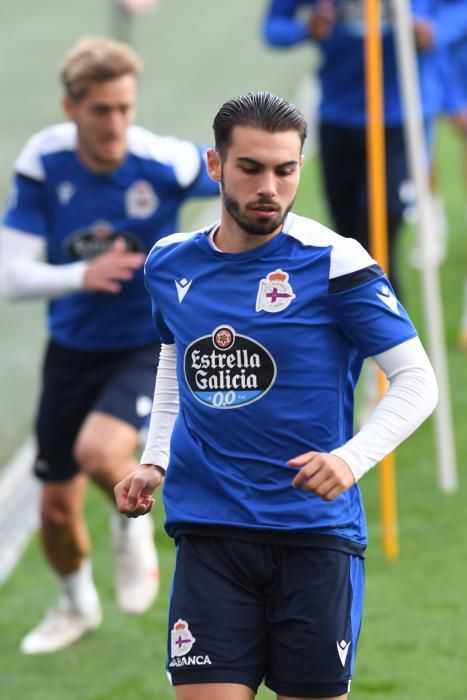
[(56, 515), (94, 458)]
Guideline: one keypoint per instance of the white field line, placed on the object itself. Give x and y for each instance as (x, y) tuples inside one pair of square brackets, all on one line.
[(19, 499)]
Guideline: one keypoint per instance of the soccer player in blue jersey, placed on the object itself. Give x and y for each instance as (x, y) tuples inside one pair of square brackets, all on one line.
[(265, 318), (90, 198), (337, 27)]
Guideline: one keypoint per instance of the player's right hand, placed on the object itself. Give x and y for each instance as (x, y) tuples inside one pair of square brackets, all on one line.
[(106, 272), (134, 493)]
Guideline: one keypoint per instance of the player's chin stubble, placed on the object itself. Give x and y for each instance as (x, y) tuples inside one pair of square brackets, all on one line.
[(253, 228)]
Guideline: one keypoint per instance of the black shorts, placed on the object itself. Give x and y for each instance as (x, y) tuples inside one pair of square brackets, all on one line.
[(75, 383), (241, 612)]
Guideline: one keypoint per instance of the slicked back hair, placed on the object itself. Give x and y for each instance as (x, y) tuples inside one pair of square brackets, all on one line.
[(261, 110), (95, 60)]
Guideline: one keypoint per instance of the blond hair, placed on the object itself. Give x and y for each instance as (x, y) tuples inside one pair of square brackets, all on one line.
[(95, 60)]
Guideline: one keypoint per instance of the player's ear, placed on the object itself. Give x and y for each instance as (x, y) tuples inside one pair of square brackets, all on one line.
[(68, 107), (214, 165)]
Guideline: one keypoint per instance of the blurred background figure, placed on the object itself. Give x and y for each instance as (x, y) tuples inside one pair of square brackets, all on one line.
[(453, 86), (338, 28), (89, 199)]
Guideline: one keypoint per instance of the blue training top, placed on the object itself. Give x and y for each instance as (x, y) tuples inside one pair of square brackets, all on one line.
[(80, 213), (270, 343)]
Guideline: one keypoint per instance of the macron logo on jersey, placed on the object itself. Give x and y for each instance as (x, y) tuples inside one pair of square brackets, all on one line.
[(388, 298), (182, 286)]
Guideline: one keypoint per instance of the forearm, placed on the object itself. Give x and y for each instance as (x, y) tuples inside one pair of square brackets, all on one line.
[(281, 28), (24, 276), (165, 410), (411, 397)]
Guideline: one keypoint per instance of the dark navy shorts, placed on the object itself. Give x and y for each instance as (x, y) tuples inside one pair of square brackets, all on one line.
[(344, 165), (243, 612), (75, 383)]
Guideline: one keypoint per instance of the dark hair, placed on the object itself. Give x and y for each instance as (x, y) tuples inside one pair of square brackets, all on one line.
[(261, 110)]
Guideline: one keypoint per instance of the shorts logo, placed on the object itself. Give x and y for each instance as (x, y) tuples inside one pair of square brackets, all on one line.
[(181, 642), (181, 639), (143, 406), (343, 650), (228, 370), (141, 200), (274, 293)]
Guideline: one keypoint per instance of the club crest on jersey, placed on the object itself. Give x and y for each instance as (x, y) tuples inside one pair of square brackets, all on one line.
[(274, 293), (65, 192), (228, 370), (141, 201)]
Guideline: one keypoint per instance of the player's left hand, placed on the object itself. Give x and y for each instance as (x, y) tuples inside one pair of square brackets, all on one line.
[(322, 473)]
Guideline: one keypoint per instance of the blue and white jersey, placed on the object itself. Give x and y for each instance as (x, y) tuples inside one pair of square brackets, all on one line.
[(80, 213), (270, 343)]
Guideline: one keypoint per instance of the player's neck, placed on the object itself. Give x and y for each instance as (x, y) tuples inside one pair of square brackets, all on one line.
[(96, 165), (231, 238)]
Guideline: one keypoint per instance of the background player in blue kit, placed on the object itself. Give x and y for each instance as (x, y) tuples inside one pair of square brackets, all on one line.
[(265, 319), (337, 27), (91, 196)]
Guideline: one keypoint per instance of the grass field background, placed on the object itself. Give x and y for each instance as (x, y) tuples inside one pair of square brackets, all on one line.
[(413, 644)]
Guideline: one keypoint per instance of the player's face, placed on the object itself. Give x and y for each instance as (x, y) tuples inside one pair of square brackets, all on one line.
[(259, 177), (102, 118)]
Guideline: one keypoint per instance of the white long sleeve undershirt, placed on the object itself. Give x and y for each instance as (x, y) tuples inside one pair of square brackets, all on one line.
[(25, 275), (164, 410), (410, 398)]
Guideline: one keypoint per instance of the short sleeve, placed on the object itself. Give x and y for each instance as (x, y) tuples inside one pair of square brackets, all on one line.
[(368, 312), (162, 330), (26, 209)]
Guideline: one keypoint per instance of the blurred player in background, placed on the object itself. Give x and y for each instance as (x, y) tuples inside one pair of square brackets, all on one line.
[(338, 28), (453, 83), (90, 197), (263, 348)]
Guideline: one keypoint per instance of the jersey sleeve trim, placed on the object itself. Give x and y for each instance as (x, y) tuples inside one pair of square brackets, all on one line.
[(346, 254), (354, 279), (60, 137)]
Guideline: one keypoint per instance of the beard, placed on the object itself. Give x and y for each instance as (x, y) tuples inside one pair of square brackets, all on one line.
[(252, 223)]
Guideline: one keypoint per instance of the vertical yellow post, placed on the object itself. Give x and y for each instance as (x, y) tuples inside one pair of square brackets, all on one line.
[(377, 217)]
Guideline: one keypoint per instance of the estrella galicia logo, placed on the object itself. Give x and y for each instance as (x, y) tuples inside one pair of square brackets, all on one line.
[(228, 370), (98, 238)]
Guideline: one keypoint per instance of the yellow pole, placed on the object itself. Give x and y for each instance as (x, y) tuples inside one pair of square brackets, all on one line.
[(377, 218)]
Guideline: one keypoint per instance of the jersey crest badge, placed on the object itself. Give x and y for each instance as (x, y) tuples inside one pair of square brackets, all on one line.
[(65, 192), (141, 201), (274, 293)]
